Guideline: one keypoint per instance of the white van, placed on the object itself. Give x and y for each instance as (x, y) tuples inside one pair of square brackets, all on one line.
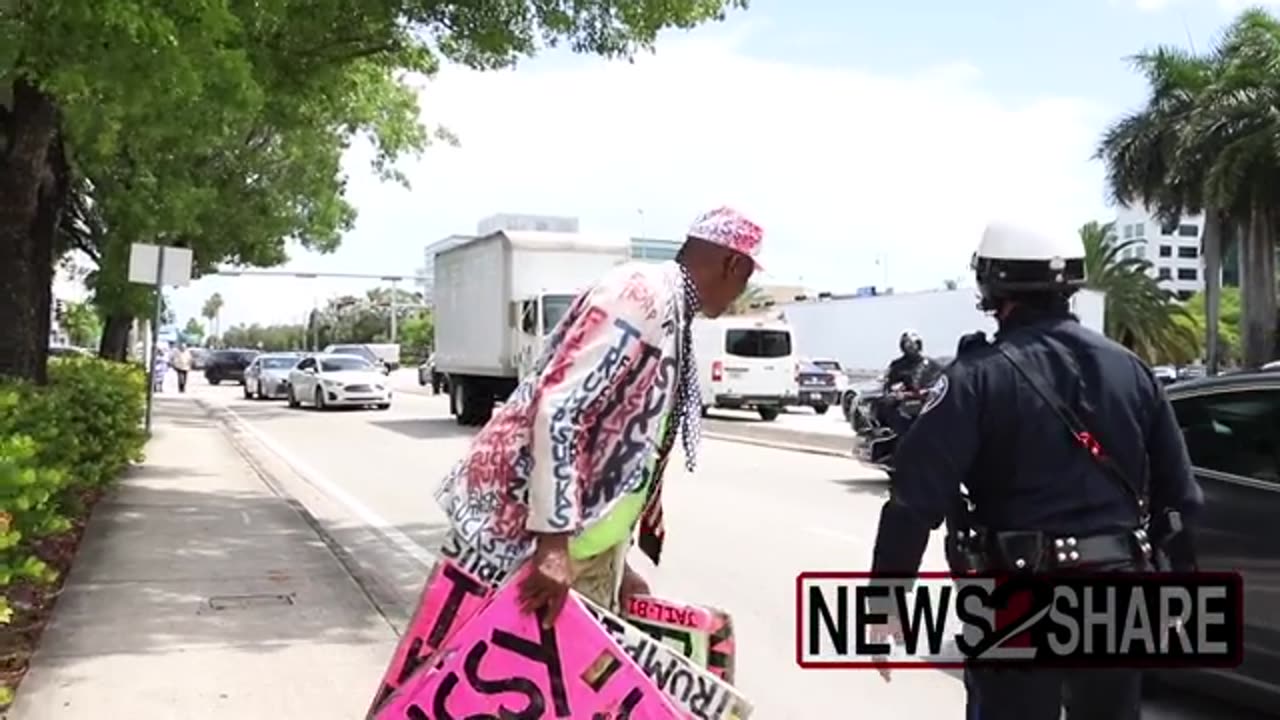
[(744, 362)]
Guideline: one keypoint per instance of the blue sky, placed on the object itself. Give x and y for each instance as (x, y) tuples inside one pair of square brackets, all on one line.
[(871, 140)]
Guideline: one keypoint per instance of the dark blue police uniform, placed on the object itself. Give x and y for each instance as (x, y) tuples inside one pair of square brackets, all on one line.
[(985, 427)]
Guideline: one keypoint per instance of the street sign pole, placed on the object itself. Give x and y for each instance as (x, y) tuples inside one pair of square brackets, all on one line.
[(155, 335)]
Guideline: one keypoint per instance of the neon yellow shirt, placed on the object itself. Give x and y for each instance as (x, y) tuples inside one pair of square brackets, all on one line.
[(616, 525)]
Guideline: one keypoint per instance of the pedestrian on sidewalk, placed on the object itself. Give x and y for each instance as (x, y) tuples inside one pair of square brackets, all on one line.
[(159, 368), (572, 463), (181, 361)]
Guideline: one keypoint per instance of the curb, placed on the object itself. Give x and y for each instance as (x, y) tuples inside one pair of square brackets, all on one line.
[(778, 445), (273, 485)]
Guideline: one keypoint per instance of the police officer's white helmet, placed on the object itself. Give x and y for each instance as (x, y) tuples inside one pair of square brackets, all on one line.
[(1014, 258)]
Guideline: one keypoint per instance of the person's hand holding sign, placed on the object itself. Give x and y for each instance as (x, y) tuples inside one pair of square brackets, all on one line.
[(550, 577)]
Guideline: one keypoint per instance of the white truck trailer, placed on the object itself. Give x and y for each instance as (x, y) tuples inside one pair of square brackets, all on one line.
[(862, 332), (496, 299)]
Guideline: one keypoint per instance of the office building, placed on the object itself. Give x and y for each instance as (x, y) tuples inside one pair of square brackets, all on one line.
[(1173, 249)]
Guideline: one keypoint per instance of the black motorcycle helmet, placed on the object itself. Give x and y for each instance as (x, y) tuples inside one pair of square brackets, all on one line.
[(910, 343)]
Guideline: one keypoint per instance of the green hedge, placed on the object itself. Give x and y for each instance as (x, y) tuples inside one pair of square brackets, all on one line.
[(76, 434)]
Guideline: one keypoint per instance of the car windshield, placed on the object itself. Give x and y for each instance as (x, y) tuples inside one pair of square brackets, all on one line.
[(827, 365), (338, 364), (356, 350), (279, 363)]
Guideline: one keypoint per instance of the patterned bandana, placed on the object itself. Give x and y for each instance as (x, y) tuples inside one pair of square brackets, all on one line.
[(686, 418)]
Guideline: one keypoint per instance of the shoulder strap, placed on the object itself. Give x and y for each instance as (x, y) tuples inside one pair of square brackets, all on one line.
[(1077, 428)]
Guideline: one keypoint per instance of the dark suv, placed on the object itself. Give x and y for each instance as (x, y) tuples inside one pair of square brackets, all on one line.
[(228, 365), (1232, 427)]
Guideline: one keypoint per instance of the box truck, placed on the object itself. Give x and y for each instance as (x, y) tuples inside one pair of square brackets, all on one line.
[(497, 297), (862, 332)]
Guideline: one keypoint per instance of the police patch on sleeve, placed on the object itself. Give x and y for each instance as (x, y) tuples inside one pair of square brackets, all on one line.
[(937, 391)]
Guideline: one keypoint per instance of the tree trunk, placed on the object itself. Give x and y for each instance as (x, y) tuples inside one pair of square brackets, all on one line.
[(1257, 290), (26, 237), (115, 338), (1212, 241)]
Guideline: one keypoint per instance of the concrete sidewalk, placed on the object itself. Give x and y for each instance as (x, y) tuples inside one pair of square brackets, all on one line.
[(198, 593)]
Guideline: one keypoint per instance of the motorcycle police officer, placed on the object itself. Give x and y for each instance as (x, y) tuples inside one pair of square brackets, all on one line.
[(1042, 499), (912, 368)]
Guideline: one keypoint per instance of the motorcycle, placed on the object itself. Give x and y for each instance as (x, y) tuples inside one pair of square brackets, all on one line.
[(874, 440)]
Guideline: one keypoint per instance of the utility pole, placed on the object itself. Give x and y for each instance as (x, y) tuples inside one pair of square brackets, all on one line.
[(394, 312)]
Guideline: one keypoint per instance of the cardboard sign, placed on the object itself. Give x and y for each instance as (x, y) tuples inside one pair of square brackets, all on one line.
[(449, 599), (695, 691), (702, 634), (504, 663)]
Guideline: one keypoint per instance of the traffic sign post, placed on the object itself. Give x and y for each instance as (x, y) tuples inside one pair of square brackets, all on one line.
[(159, 267)]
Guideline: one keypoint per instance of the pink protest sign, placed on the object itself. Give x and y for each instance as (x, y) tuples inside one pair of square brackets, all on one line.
[(449, 599), (701, 633), (503, 663)]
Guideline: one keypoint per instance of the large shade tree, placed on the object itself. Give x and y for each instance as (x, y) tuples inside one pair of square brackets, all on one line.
[(219, 125)]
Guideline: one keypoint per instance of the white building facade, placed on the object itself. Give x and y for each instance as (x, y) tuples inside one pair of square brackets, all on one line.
[(1173, 250)]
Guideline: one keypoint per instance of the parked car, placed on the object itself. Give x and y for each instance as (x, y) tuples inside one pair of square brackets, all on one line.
[(267, 377), (337, 380), (843, 382), (815, 387), (362, 351), (1166, 374), (228, 365), (1231, 424)]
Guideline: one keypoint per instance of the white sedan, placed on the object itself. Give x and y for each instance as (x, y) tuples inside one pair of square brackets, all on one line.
[(327, 381)]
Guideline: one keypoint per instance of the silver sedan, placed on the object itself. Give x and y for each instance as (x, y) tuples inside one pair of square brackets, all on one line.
[(267, 377)]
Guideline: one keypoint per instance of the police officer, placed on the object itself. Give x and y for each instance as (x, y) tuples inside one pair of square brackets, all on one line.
[(912, 369), (1031, 483)]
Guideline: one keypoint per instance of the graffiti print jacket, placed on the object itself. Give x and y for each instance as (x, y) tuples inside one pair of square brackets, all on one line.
[(576, 436)]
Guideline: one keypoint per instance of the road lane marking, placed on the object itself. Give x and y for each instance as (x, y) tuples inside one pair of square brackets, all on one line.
[(779, 445), (317, 480)]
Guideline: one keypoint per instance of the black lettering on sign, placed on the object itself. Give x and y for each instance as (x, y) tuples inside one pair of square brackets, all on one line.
[(702, 695), (462, 586), (545, 652)]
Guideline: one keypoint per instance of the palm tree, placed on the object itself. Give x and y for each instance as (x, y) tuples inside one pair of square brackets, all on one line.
[(1237, 131), (212, 312), (1208, 141), (1140, 314), (1149, 163)]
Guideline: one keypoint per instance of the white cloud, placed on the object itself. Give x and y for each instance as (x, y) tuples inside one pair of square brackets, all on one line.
[(839, 165)]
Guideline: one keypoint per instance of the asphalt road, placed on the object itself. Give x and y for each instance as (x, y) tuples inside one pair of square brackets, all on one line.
[(739, 531)]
